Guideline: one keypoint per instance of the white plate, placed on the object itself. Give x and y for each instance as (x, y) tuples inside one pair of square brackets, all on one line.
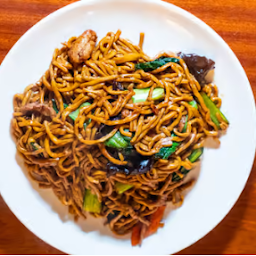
[(224, 171)]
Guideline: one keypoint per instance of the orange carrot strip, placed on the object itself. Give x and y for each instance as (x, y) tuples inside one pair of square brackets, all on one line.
[(136, 235), (155, 220)]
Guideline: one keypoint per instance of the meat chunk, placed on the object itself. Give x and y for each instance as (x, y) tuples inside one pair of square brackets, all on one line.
[(125, 113), (82, 47), (182, 123), (39, 108)]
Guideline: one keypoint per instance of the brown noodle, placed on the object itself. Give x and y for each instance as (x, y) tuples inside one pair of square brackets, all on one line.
[(70, 159)]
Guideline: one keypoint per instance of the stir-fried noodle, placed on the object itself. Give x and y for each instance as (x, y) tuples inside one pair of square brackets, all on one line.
[(115, 137)]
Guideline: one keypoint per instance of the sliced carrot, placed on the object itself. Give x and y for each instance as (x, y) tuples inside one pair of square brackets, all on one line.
[(136, 239), (161, 225), (155, 220), (155, 223)]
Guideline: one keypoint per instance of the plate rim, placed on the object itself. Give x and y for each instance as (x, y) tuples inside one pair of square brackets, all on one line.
[(182, 12)]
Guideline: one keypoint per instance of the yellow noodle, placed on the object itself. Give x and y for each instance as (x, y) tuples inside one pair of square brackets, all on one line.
[(69, 154)]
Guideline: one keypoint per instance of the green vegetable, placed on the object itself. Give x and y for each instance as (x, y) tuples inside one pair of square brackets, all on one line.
[(121, 187), (195, 155), (86, 123), (141, 95), (152, 65), (73, 115), (91, 202), (213, 110), (128, 150), (185, 125), (128, 139), (193, 104), (54, 105), (164, 153), (117, 141), (34, 146)]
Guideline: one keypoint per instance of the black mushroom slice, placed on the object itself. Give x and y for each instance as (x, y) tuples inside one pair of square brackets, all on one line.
[(137, 164), (112, 215), (105, 129), (199, 66), (117, 86)]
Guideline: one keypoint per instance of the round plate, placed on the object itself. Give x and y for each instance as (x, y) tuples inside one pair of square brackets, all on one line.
[(224, 171)]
